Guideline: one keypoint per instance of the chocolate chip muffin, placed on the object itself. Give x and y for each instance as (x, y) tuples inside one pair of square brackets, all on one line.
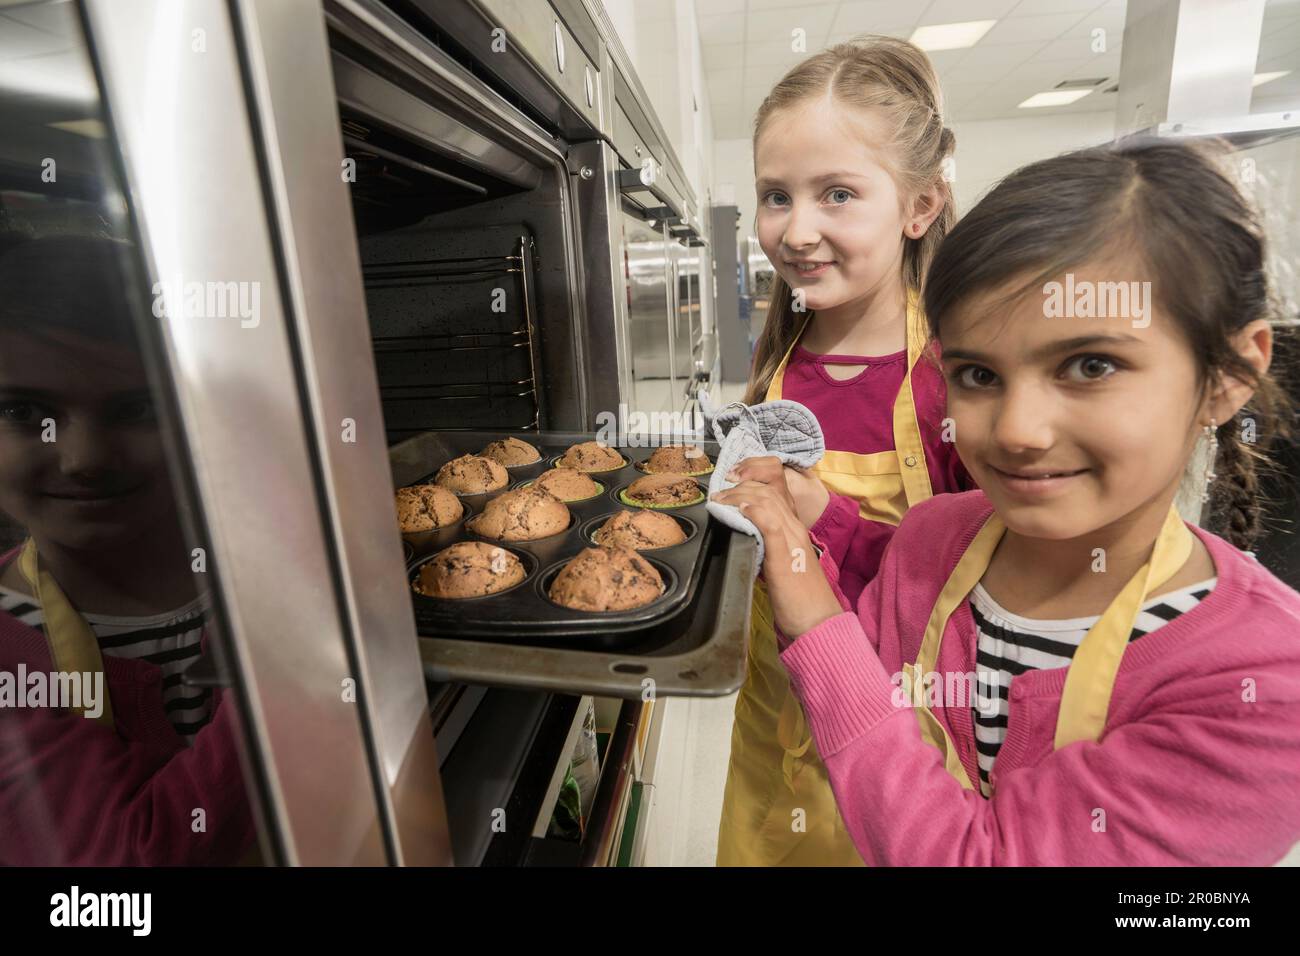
[(640, 531), (678, 460), (606, 579), (591, 456), (511, 452), (524, 514), (472, 475), (468, 569), (567, 484), (663, 491), (426, 508)]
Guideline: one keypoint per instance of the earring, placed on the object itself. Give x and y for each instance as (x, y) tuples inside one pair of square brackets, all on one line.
[(1213, 438)]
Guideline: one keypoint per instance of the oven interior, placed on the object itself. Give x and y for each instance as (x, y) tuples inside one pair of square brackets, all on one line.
[(466, 258)]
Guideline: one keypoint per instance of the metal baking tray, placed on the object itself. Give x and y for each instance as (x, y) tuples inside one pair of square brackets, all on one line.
[(526, 609), (690, 642)]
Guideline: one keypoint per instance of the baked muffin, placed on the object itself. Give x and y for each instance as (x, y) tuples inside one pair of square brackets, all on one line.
[(606, 579), (524, 514), (639, 530), (591, 456), (426, 508), (663, 491), (472, 475), (678, 460), (468, 569), (567, 484), (511, 452)]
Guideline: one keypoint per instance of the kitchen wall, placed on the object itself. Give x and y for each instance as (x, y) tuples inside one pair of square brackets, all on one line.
[(989, 149)]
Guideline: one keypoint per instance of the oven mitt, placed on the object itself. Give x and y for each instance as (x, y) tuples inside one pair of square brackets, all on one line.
[(782, 428)]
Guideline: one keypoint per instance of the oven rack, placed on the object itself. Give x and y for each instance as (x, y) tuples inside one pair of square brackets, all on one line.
[(484, 342)]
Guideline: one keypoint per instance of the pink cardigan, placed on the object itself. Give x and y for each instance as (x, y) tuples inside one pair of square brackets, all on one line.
[(1187, 773), (74, 792)]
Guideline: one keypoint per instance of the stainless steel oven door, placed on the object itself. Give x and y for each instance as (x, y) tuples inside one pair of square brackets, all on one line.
[(223, 117)]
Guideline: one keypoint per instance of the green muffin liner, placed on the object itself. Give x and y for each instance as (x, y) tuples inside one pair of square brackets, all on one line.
[(622, 496), (640, 466)]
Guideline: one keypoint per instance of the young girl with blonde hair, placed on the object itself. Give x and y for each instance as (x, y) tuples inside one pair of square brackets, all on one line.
[(849, 156)]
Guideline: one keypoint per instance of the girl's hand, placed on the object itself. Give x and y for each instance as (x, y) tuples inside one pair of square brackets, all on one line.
[(801, 596), (807, 496)]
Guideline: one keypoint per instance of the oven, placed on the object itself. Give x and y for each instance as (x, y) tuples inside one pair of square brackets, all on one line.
[(461, 217)]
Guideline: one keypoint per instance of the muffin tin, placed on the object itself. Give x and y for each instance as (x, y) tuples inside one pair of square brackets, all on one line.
[(525, 612)]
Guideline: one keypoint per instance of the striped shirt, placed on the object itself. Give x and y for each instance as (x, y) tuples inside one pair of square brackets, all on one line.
[(1010, 644), (170, 640)]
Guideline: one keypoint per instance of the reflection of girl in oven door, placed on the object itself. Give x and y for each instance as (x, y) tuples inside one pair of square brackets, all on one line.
[(106, 757)]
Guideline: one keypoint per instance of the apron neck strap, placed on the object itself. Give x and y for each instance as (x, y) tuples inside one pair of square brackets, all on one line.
[(1085, 698), (1092, 671), (778, 377), (72, 644)]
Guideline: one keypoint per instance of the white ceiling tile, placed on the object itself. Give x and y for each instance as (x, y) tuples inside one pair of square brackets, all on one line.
[(52, 18), (769, 26), (1043, 75), (957, 95), (1281, 42), (1112, 21), (1031, 8), (875, 16), (724, 104), (901, 33), (789, 5), (998, 58), (1096, 67), (1277, 21), (962, 11), (704, 8), (946, 60), (762, 76), (721, 28), (1024, 29), (723, 55), (730, 126), (777, 53), (1277, 63), (1068, 48), (733, 77), (18, 40), (1281, 8)]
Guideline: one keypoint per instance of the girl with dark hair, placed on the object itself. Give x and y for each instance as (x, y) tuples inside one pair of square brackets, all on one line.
[(1058, 669)]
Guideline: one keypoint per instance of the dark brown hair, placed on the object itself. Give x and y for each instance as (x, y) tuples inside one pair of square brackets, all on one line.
[(895, 80), (1176, 205), (68, 284)]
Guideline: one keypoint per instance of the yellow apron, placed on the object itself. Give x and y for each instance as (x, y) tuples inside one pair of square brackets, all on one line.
[(1085, 698), (778, 809), (72, 644)]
